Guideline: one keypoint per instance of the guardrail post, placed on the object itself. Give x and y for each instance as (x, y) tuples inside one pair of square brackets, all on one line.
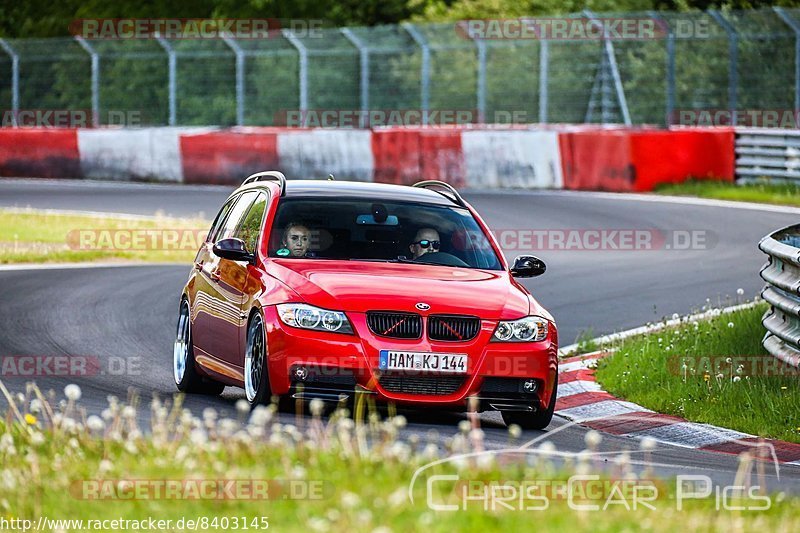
[(240, 58), (608, 48), (544, 62), (363, 62), (425, 69), (795, 26), (173, 78), (302, 68), (733, 55), (14, 80), (95, 57)]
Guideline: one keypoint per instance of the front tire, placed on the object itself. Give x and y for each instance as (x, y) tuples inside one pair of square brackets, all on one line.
[(184, 368), (256, 378), (535, 419)]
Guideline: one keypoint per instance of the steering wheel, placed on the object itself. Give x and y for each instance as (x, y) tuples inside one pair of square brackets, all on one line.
[(441, 258)]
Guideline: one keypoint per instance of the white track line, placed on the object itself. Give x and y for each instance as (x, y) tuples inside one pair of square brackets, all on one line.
[(73, 266), (639, 197), (97, 214)]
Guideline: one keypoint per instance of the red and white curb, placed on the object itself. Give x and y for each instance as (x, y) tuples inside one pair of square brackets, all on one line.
[(582, 399)]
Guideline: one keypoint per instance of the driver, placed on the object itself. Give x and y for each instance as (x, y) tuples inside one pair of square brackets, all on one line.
[(426, 240), (296, 239)]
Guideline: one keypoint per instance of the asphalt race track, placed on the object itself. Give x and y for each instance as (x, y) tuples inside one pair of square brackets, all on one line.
[(129, 313)]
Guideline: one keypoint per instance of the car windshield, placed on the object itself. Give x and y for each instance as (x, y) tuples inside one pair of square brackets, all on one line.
[(375, 230)]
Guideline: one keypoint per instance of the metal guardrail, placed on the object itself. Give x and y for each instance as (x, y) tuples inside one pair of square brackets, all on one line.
[(782, 274), (763, 152)]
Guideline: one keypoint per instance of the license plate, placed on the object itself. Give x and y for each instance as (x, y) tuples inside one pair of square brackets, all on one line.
[(453, 363)]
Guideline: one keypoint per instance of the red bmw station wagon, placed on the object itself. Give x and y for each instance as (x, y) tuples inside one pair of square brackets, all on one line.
[(318, 289)]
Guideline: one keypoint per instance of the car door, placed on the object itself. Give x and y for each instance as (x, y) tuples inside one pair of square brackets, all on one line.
[(244, 275), (218, 301)]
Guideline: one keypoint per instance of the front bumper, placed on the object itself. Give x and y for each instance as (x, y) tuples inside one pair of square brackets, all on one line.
[(307, 364)]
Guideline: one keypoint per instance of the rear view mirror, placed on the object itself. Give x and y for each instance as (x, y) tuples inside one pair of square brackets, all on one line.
[(369, 220), (528, 266), (233, 249)]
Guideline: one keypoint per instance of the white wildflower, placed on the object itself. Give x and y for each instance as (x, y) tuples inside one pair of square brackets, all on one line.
[(242, 406), (72, 392), (316, 406), (593, 438), (648, 443), (350, 500)]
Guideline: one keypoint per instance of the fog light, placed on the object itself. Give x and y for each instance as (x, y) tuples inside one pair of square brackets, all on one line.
[(529, 385), (300, 373)]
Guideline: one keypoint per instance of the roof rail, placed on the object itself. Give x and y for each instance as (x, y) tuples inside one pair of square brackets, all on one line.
[(427, 184), (268, 175)]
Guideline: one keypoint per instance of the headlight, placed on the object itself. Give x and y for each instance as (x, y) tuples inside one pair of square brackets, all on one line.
[(309, 317), (528, 329)]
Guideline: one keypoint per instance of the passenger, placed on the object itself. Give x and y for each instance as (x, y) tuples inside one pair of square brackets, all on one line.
[(426, 240), (296, 240)]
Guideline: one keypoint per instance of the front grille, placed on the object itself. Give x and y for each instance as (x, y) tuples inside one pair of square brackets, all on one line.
[(453, 327), (396, 325), (428, 385)]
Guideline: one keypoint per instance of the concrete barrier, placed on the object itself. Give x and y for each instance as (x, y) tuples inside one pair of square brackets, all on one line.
[(583, 157)]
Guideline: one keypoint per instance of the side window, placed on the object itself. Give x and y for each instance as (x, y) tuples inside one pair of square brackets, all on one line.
[(236, 215), (250, 229), (217, 225)]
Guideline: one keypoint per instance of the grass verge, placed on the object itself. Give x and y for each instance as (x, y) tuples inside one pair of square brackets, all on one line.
[(30, 236), (759, 192), (712, 371), (336, 473)]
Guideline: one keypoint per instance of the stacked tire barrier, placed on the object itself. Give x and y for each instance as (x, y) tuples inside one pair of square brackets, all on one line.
[(571, 157), (782, 274)]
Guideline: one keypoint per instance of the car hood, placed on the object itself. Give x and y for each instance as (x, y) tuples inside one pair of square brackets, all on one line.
[(366, 286)]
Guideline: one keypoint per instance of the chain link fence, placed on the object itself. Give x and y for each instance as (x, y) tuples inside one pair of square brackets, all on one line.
[(738, 62)]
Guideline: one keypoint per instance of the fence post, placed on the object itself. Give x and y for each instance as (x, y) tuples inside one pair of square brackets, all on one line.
[(481, 96), (14, 80), (240, 58), (95, 57), (303, 68), (795, 26), (544, 62), (363, 62), (670, 96), (173, 81), (425, 69), (608, 48), (733, 54)]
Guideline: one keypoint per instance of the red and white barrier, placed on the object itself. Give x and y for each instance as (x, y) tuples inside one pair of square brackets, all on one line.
[(519, 159), (45, 153), (313, 154), (571, 157), (147, 154)]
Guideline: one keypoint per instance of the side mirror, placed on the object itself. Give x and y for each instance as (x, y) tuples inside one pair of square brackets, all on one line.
[(527, 266), (233, 249)]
